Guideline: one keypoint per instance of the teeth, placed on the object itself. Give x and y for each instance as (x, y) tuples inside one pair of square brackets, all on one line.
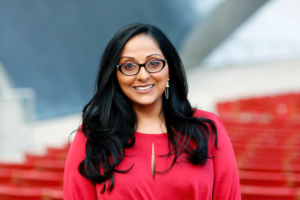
[(144, 88)]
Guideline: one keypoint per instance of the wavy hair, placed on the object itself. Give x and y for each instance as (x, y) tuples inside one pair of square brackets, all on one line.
[(109, 120)]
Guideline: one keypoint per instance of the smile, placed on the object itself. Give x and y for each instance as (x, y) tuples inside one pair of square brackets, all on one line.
[(143, 88)]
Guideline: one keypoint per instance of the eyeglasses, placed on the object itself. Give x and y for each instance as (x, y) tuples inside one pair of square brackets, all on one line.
[(152, 66)]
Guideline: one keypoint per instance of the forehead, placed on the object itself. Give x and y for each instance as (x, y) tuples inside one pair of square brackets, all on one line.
[(141, 46)]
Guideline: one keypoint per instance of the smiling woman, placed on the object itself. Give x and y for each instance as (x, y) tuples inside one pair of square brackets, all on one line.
[(136, 142), (149, 80)]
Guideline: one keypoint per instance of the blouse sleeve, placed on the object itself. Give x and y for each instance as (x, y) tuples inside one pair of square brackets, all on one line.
[(75, 185), (226, 177)]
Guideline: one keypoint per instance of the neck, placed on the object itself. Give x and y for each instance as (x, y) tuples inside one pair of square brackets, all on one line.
[(150, 118)]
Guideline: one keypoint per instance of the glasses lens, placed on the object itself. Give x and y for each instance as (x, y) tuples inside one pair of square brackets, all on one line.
[(129, 68), (154, 65)]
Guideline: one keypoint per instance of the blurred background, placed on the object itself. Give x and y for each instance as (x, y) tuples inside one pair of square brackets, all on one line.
[(233, 51)]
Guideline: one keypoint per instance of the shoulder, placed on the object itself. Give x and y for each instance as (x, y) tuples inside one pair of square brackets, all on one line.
[(76, 152), (75, 185), (77, 149), (79, 137)]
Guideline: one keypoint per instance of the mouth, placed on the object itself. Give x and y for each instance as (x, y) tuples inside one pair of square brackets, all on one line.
[(140, 88)]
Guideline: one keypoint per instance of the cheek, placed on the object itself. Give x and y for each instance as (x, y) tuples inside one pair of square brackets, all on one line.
[(162, 79), (165, 75), (124, 81)]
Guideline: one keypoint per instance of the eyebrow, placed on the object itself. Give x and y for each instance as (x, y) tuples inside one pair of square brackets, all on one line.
[(153, 55), (133, 57), (126, 57)]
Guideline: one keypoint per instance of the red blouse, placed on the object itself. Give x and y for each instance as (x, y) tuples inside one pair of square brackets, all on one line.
[(217, 179)]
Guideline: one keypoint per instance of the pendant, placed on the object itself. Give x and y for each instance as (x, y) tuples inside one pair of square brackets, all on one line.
[(153, 161)]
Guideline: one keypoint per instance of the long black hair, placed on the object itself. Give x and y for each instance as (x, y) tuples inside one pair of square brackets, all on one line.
[(109, 120)]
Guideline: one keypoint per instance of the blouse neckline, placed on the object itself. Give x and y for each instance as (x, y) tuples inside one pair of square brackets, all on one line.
[(151, 134)]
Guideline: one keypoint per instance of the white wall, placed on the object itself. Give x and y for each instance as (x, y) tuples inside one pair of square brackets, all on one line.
[(209, 86), (16, 119)]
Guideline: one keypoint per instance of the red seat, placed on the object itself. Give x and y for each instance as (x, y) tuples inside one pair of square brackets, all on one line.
[(268, 193), (24, 166), (44, 165), (24, 193), (6, 176), (31, 178), (257, 178), (40, 179), (58, 153)]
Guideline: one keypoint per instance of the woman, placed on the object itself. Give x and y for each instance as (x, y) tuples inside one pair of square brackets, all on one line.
[(140, 137)]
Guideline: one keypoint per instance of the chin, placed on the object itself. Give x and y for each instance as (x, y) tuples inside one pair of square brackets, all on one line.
[(146, 101)]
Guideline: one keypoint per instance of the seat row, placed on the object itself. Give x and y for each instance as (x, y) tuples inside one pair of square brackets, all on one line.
[(39, 177), (265, 109), (29, 193), (264, 132)]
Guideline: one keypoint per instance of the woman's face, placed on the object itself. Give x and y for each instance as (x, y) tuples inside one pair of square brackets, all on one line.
[(141, 49)]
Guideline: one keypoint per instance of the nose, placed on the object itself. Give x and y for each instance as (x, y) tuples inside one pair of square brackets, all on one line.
[(143, 75)]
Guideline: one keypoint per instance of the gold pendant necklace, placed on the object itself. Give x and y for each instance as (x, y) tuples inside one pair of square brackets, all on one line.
[(153, 161)]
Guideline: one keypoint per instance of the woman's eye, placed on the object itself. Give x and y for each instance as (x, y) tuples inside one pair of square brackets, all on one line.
[(153, 63), (129, 66)]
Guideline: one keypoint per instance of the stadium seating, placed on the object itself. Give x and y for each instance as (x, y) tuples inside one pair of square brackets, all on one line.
[(25, 193), (264, 132), (39, 177)]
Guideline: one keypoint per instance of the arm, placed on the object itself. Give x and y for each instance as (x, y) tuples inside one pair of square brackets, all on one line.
[(226, 180), (75, 185)]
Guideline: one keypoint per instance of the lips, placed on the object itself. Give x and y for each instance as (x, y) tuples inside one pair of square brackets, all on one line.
[(142, 88)]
